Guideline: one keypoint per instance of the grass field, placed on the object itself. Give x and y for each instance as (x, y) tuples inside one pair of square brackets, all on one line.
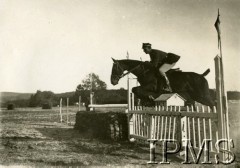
[(35, 137)]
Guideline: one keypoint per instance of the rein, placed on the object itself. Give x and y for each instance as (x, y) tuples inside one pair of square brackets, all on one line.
[(129, 71)]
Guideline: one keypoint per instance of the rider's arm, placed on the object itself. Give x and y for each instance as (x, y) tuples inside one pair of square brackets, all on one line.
[(158, 57)]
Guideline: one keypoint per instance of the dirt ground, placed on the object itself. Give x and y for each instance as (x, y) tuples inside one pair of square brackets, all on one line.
[(35, 138)]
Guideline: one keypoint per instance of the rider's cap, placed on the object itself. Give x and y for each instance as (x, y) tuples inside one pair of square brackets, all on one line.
[(146, 45)]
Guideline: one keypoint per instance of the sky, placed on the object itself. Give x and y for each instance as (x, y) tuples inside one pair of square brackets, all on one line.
[(54, 44)]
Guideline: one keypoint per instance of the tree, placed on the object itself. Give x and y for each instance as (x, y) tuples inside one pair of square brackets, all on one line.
[(92, 82), (39, 98)]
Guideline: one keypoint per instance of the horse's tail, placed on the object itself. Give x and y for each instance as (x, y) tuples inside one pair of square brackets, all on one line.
[(206, 72)]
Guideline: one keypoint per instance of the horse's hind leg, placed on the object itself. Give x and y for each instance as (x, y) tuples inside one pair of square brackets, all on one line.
[(207, 100), (202, 94)]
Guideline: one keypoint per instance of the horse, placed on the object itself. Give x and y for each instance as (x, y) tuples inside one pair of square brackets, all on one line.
[(190, 85)]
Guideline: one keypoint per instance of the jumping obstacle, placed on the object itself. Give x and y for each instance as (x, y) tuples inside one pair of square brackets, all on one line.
[(131, 82), (173, 122), (108, 105), (93, 107), (176, 122), (61, 111)]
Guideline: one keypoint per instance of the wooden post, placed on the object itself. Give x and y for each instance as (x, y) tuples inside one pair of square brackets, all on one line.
[(174, 124), (60, 110), (158, 126), (204, 127), (67, 110), (184, 130), (224, 129), (165, 128), (130, 117), (219, 96), (170, 125), (128, 88), (156, 107), (210, 128), (132, 97), (79, 103), (162, 117), (129, 94), (199, 129), (222, 106), (91, 100), (194, 129), (149, 126)]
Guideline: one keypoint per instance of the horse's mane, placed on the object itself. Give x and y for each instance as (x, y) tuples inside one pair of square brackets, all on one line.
[(126, 61)]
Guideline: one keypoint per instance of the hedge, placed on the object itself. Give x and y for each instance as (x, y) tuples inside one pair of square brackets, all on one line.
[(110, 125), (46, 106), (10, 106)]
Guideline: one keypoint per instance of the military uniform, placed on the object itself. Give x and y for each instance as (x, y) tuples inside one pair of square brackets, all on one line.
[(162, 61), (158, 58)]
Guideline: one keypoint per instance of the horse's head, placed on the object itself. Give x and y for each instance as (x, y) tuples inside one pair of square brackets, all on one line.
[(119, 66), (117, 72)]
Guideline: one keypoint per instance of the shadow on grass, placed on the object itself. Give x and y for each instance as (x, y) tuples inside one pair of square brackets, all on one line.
[(84, 143)]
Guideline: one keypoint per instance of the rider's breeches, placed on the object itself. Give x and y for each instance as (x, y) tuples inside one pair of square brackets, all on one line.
[(164, 68)]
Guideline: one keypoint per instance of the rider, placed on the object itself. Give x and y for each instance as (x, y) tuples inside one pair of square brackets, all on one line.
[(162, 61)]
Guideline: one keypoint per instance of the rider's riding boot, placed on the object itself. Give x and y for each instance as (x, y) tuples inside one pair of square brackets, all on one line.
[(167, 87)]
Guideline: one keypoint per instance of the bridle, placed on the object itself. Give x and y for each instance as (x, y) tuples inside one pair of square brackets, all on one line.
[(122, 70)]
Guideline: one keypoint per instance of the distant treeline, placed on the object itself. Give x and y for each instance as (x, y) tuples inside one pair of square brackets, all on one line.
[(100, 97), (47, 97), (233, 95)]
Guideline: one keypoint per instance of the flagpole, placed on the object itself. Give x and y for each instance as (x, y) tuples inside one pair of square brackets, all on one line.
[(224, 99), (224, 93), (220, 48), (91, 89), (223, 88), (225, 104)]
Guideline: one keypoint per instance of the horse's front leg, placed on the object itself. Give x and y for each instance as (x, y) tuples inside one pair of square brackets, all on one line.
[(145, 92)]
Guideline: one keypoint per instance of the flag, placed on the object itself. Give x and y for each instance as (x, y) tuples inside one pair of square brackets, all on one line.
[(217, 26)]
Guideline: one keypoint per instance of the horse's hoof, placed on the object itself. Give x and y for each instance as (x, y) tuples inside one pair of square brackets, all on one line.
[(151, 97)]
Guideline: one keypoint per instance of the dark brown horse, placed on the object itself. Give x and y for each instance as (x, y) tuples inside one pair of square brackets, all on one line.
[(190, 85)]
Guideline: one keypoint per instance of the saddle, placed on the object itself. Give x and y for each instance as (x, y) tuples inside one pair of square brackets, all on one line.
[(174, 70), (155, 70)]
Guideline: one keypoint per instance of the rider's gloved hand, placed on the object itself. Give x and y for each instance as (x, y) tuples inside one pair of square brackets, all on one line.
[(147, 63), (150, 65)]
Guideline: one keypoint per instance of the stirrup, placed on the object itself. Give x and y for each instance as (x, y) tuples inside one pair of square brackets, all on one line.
[(167, 89)]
